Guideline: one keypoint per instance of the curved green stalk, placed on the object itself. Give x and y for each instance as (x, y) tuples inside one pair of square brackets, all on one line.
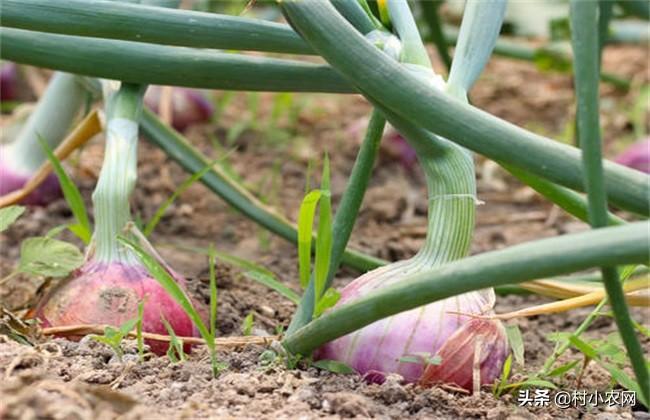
[(346, 214), (136, 62), (134, 22), (179, 150), (478, 34), (612, 246), (584, 38), (413, 51), (409, 97)]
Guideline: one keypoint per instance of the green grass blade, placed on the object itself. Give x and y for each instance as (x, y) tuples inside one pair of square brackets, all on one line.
[(346, 213), (539, 259), (516, 341), (222, 184), (175, 351), (165, 279), (324, 238), (305, 234), (586, 48), (213, 290), (71, 194), (254, 272), (155, 219), (138, 331), (272, 283)]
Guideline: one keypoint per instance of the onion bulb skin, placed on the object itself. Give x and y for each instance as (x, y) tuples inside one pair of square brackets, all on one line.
[(404, 343), (480, 344), (12, 179), (637, 156), (189, 106), (109, 294), (9, 82)]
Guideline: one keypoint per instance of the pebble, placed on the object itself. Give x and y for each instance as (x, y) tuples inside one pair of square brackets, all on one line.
[(267, 311)]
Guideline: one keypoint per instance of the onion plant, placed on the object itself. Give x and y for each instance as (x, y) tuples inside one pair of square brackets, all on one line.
[(113, 281), (427, 318), (51, 120)]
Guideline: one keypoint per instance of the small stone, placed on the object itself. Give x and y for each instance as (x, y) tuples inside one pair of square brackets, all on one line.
[(267, 311)]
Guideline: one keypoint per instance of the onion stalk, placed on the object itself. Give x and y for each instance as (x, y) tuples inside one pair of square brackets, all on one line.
[(445, 341), (50, 120), (109, 286)]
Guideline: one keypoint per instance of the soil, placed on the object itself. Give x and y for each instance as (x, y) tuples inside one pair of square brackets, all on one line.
[(61, 379)]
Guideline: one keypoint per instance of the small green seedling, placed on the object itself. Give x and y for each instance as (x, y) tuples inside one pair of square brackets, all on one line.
[(155, 219), (44, 256), (138, 330), (113, 336), (175, 351), (8, 215), (610, 354), (82, 228), (323, 299), (421, 359), (500, 385), (160, 273), (247, 324), (252, 271), (333, 366), (516, 341)]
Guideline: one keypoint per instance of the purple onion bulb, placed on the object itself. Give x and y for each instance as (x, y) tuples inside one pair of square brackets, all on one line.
[(12, 179), (388, 346), (8, 82), (109, 293), (637, 156), (189, 106)]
